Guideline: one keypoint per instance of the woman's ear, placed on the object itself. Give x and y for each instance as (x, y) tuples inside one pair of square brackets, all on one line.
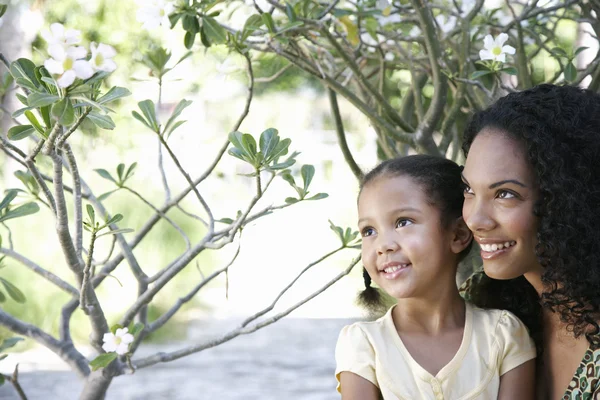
[(462, 236)]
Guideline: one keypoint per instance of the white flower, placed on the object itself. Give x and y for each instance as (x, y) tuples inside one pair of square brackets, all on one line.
[(414, 32), (102, 57), (384, 6), (68, 64), (389, 56), (446, 24), (154, 13), (494, 49), (57, 35), (118, 343)]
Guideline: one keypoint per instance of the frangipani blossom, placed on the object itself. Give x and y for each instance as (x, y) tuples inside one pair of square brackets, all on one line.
[(68, 64), (154, 13), (57, 35), (102, 57), (494, 49), (117, 342), (384, 6)]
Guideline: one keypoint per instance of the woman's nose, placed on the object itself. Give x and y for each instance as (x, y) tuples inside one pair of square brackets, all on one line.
[(477, 216)]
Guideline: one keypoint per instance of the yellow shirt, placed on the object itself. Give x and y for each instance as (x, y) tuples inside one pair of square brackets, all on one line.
[(494, 342)]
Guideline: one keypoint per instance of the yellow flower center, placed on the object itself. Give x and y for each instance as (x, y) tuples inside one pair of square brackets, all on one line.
[(118, 340), (386, 11), (68, 64), (99, 59), (497, 51)]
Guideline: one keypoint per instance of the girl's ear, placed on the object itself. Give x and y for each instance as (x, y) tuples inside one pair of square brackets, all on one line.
[(462, 236)]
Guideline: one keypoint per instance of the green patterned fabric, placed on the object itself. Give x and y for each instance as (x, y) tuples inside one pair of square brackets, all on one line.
[(585, 384)]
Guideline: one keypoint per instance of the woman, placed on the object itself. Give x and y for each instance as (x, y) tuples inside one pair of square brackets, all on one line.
[(532, 201)]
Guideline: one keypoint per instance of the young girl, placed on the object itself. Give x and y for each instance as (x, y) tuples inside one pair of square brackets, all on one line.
[(431, 344)]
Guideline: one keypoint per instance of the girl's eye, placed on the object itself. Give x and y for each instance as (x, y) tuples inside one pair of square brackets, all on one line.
[(505, 194), (402, 222), (368, 231)]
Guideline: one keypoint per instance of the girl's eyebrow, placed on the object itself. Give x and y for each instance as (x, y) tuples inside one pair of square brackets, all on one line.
[(499, 183), (397, 210)]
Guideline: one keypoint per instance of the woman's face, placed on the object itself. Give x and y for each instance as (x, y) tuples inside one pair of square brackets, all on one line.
[(499, 198)]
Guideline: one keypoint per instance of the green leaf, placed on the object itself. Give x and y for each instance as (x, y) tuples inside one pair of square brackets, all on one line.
[(190, 24), (13, 291), (24, 83), (2, 297), (579, 50), (570, 72), (225, 220), (31, 117), (371, 25), (21, 211), (176, 112), (105, 196), (63, 112), (22, 99), (10, 196), (134, 329), (318, 196), (2, 379), (268, 142), (175, 126), (189, 39), (24, 69), (120, 170), (103, 360), (289, 11), (147, 107), (116, 231), (237, 153), (559, 52), (101, 121), (45, 112), (3, 9), (137, 116), (281, 149), (268, 21), (130, 170), (116, 218), (105, 174), (253, 22), (20, 132), (249, 144), (91, 213), (510, 70), (83, 88), (89, 102), (289, 179), (291, 200), (113, 94), (480, 73), (215, 32), (41, 99), (10, 342), (307, 172)]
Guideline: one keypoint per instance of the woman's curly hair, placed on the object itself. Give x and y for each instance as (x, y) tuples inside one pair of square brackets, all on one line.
[(560, 129)]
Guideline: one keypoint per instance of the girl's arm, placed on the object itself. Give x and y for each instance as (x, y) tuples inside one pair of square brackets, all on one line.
[(356, 387), (518, 383)]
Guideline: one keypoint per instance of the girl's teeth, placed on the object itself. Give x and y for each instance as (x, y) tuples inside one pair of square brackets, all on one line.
[(389, 270)]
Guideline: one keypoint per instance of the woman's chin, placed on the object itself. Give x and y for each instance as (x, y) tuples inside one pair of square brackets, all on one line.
[(500, 272)]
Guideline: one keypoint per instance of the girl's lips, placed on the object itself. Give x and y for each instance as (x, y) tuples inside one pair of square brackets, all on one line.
[(397, 273)]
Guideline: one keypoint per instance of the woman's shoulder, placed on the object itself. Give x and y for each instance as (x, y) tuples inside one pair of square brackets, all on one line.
[(586, 380)]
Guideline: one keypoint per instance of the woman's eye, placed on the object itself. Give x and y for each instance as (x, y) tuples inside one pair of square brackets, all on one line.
[(467, 190), (403, 222), (505, 194), (367, 232)]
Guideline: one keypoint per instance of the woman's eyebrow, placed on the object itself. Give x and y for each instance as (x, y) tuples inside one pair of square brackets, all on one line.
[(500, 183)]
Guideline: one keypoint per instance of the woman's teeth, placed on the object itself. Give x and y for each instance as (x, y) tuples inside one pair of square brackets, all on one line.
[(389, 270), (497, 246)]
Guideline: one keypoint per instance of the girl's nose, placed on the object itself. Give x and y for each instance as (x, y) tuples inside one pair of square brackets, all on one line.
[(387, 244)]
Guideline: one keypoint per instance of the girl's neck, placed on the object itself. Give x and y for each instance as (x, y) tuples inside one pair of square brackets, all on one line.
[(432, 315)]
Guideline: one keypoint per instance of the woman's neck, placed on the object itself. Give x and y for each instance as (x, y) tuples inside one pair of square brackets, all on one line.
[(431, 315)]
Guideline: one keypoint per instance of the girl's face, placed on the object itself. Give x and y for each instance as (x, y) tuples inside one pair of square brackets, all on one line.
[(499, 198), (405, 249)]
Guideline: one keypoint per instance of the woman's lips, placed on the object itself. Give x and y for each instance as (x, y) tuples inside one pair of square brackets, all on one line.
[(490, 251)]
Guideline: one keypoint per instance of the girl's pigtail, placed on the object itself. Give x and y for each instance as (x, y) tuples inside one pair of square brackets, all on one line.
[(370, 298)]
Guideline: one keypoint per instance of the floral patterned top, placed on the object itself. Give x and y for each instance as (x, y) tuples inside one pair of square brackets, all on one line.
[(585, 384)]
